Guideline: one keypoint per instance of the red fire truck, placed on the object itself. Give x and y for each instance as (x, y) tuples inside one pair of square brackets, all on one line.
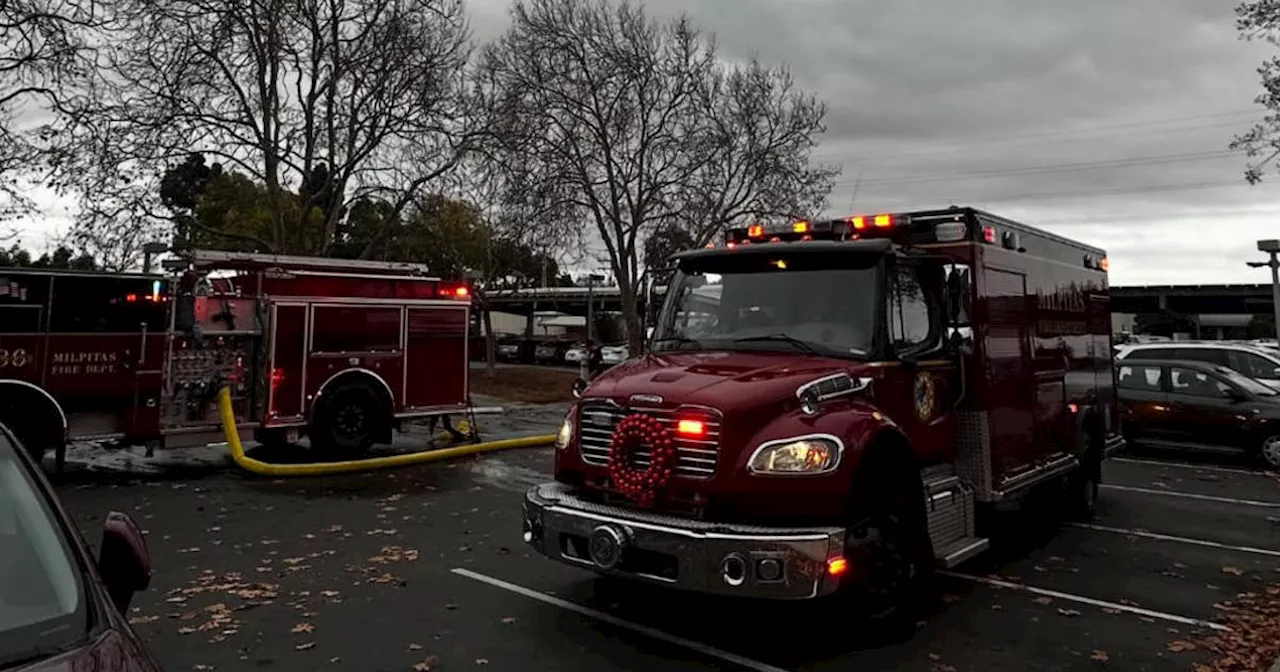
[(836, 405), (339, 350)]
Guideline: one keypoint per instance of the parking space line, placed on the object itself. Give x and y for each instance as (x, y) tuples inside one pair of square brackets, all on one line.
[(1188, 465), (1189, 495), (1181, 540), (1117, 606), (704, 649)]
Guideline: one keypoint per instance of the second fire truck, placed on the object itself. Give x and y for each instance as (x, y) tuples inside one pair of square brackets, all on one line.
[(830, 407), (342, 351)]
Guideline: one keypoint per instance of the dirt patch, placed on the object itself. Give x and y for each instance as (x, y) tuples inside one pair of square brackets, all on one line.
[(527, 384)]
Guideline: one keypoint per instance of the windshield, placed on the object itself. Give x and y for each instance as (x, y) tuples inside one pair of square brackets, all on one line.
[(42, 604), (806, 302), (1244, 382)]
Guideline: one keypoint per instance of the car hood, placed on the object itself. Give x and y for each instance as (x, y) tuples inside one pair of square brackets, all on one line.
[(721, 379), (111, 652)]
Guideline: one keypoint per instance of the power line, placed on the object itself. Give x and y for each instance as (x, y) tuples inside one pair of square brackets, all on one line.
[(1184, 157)]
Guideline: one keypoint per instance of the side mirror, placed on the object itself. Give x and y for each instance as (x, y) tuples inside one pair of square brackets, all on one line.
[(1275, 373), (1234, 395), (123, 560), (962, 340), (579, 386)]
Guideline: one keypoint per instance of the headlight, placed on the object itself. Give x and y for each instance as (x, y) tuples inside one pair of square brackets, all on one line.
[(565, 435), (801, 455)]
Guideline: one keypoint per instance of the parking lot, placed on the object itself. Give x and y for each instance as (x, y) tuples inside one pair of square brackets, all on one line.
[(423, 568)]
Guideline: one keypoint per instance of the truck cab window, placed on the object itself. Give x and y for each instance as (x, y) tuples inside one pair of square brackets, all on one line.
[(911, 314), (105, 304)]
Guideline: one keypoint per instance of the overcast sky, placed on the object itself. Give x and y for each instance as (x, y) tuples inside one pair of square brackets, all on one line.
[(1102, 120)]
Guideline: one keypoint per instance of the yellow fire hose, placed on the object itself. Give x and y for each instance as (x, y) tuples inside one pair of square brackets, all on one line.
[(347, 466)]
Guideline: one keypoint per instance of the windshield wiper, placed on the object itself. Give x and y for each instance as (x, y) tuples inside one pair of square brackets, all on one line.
[(780, 338)]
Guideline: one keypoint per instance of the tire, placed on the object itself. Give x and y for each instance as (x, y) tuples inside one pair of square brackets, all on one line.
[(1269, 451), (348, 420), (891, 548)]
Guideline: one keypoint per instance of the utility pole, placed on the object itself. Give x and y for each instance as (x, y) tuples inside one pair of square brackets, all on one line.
[(1272, 247), (591, 301)]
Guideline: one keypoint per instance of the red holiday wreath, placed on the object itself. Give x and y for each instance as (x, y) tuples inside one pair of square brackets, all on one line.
[(632, 433)]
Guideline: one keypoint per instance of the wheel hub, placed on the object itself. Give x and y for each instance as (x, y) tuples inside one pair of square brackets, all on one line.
[(1271, 451)]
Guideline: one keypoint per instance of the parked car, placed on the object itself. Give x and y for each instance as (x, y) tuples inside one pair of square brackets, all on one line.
[(614, 354), (576, 353), (1261, 364), (1194, 405), (59, 608)]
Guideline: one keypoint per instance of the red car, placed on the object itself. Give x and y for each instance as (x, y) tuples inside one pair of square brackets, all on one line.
[(59, 608)]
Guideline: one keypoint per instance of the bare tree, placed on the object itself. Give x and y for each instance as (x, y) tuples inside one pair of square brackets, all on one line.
[(609, 117), (1260, 20), (43, 48), (323, 102)]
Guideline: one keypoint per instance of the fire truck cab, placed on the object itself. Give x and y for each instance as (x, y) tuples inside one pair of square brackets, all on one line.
[(846, 399), (339, 350)]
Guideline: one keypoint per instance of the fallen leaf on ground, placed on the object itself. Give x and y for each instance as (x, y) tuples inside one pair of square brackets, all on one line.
[(304, 647), (186, 630), (203, 668), (482, 661), (136, 620), (415, 647), (934, 656), (1109, 610), (330, 593), (1178, 646), (1100, 655), (1234, 571), (1042, 600), (509, 620), (303, 627), (1068, 612), (425, 665), (450, 607)]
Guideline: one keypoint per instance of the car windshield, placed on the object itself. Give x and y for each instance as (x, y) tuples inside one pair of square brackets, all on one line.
[(1244, 382), (806, 302), (42, 596)]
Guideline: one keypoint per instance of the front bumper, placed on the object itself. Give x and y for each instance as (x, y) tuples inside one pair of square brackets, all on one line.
[(737, 560)]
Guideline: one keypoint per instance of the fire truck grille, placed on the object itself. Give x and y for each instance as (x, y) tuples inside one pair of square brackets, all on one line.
[(697, 457)]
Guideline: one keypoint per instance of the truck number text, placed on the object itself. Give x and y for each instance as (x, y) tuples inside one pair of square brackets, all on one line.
[(15, 358)]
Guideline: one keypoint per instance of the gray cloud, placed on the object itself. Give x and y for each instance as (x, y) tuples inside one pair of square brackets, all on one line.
[(1039, 109), (1084, 116)]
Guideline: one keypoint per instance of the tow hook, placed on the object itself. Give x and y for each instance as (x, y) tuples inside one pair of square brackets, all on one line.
[(606, 545)]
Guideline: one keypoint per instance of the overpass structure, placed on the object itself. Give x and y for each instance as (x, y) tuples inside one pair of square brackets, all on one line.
[(1218, 310)]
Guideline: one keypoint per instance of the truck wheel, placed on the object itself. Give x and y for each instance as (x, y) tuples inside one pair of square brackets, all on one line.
[(1270, 452), (347, 421), (891, 546)]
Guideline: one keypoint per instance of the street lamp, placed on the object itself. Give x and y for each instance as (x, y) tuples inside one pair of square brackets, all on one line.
[(1271, 247)]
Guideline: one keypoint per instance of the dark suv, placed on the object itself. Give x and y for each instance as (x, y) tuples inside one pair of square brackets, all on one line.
[(60, 609), (1188, 404)]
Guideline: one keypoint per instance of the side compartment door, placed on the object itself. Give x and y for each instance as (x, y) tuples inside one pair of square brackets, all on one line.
[(436, 365), (1010, 374), (286, 369)]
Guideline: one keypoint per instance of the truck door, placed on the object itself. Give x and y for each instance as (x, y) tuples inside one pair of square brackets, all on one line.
[(1010, 371), (1200, 413)]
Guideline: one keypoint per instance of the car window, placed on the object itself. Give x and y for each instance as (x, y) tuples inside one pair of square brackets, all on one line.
[(42, 604), (1254, 366), (1145, 378), (1208, 355), (1192, 383), (1150, 353)]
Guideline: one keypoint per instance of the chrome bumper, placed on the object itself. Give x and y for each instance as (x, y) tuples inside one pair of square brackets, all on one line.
[(736, 560)]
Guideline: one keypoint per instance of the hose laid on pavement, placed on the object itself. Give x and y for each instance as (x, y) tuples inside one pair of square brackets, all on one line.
[(348, 466)]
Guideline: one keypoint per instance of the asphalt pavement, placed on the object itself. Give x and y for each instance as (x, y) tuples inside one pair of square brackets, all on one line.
[(423, 569)]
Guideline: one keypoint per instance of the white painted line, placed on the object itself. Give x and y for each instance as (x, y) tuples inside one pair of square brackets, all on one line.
[(704, 649), (1000, 583), (1182, 540), (1190, 495), (1188, 465)]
